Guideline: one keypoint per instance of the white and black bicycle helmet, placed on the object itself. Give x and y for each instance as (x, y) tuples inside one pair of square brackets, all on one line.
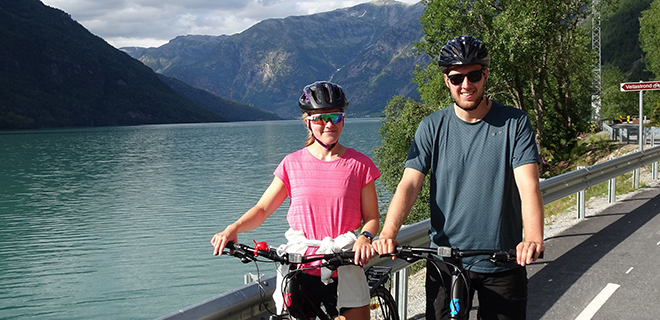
[(322, 95), (463, 50)]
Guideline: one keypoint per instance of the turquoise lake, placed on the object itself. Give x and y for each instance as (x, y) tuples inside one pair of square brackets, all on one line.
[(115, 223)]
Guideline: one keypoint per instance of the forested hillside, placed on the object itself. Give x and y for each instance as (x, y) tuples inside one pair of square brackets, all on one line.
[(620, 38), (625, 61)]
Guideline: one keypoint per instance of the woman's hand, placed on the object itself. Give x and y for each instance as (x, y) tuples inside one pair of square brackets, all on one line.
[(219, 240), (364, 251)]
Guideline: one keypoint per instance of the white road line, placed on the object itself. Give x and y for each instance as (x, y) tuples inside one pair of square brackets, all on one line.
[(598, 302), (631, 269)]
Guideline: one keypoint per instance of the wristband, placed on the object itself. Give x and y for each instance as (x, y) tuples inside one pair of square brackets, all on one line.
[(368, 235)]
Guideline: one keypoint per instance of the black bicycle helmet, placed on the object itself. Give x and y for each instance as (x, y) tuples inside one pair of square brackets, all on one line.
[(463, 50), (322, 95)]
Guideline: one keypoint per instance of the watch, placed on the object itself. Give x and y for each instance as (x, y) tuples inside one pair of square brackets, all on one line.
[(368, 235)]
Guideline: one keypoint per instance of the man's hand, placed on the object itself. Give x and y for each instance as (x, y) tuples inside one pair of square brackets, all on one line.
[(385, 245), (528, 252)]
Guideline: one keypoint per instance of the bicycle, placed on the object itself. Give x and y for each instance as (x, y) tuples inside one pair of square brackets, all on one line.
[(382, 304), (459, 297)]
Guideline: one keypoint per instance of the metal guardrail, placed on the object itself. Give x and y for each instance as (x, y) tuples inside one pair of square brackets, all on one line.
[(247, 302), (569, 183)]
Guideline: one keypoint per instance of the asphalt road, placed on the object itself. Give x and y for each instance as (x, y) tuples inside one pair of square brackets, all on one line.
[(605, 267)]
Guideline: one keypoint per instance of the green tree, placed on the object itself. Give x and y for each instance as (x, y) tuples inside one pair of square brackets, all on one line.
[(541, 55), (616, 103), (399, 125)]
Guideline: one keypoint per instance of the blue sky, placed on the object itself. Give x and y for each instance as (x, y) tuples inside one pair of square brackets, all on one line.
[(152, 23)]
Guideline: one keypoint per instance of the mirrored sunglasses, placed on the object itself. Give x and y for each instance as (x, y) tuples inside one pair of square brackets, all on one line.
[(473, 76), (323, 118)]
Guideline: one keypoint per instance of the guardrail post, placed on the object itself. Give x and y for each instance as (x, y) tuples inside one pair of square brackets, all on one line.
[(580, 204), (611, 194), (611, 189), (636, 174), (655, 163), (652, 136), (250, 277), (400, 286), (580, 200)]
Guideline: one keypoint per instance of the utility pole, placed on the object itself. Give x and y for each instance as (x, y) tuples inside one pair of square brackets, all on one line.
[(597, 72)]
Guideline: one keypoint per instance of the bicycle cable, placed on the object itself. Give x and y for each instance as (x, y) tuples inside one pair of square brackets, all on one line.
[(262, 290)]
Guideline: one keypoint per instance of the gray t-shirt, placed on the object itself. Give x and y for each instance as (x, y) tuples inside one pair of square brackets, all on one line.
[(475, 202)]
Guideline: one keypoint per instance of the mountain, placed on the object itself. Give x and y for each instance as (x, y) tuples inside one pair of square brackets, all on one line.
[(182, 50), (368, 49), (55, 73)]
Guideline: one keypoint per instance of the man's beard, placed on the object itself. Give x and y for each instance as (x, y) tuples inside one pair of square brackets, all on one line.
[(471, 108)]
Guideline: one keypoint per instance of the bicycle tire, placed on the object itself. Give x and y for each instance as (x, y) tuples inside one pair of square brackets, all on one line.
[(382, 305)]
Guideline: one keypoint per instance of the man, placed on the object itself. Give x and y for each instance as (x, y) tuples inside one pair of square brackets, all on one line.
[(483, 162)]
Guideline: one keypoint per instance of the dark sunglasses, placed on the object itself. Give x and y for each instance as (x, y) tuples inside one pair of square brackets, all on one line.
[(324, 118), (473, 76)]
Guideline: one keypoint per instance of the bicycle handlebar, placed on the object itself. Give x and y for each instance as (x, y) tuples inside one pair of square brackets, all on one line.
[(412, 254), (261, 249)]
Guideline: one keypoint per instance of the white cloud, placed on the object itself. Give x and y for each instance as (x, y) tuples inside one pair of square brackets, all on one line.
[(151, 23)]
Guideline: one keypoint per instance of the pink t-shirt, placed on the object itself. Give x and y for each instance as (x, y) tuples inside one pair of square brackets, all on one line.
[(325, 195)]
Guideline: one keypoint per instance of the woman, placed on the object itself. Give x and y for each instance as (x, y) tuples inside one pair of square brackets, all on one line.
[(332, 191)]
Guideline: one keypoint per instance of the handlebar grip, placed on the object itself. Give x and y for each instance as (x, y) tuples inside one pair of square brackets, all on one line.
[(347, 254), (231, 245)]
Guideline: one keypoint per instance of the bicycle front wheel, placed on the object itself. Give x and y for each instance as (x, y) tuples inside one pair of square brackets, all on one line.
[(382, 305)]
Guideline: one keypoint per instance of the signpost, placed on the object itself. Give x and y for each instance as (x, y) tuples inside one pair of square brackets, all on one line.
[(641, 87)]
